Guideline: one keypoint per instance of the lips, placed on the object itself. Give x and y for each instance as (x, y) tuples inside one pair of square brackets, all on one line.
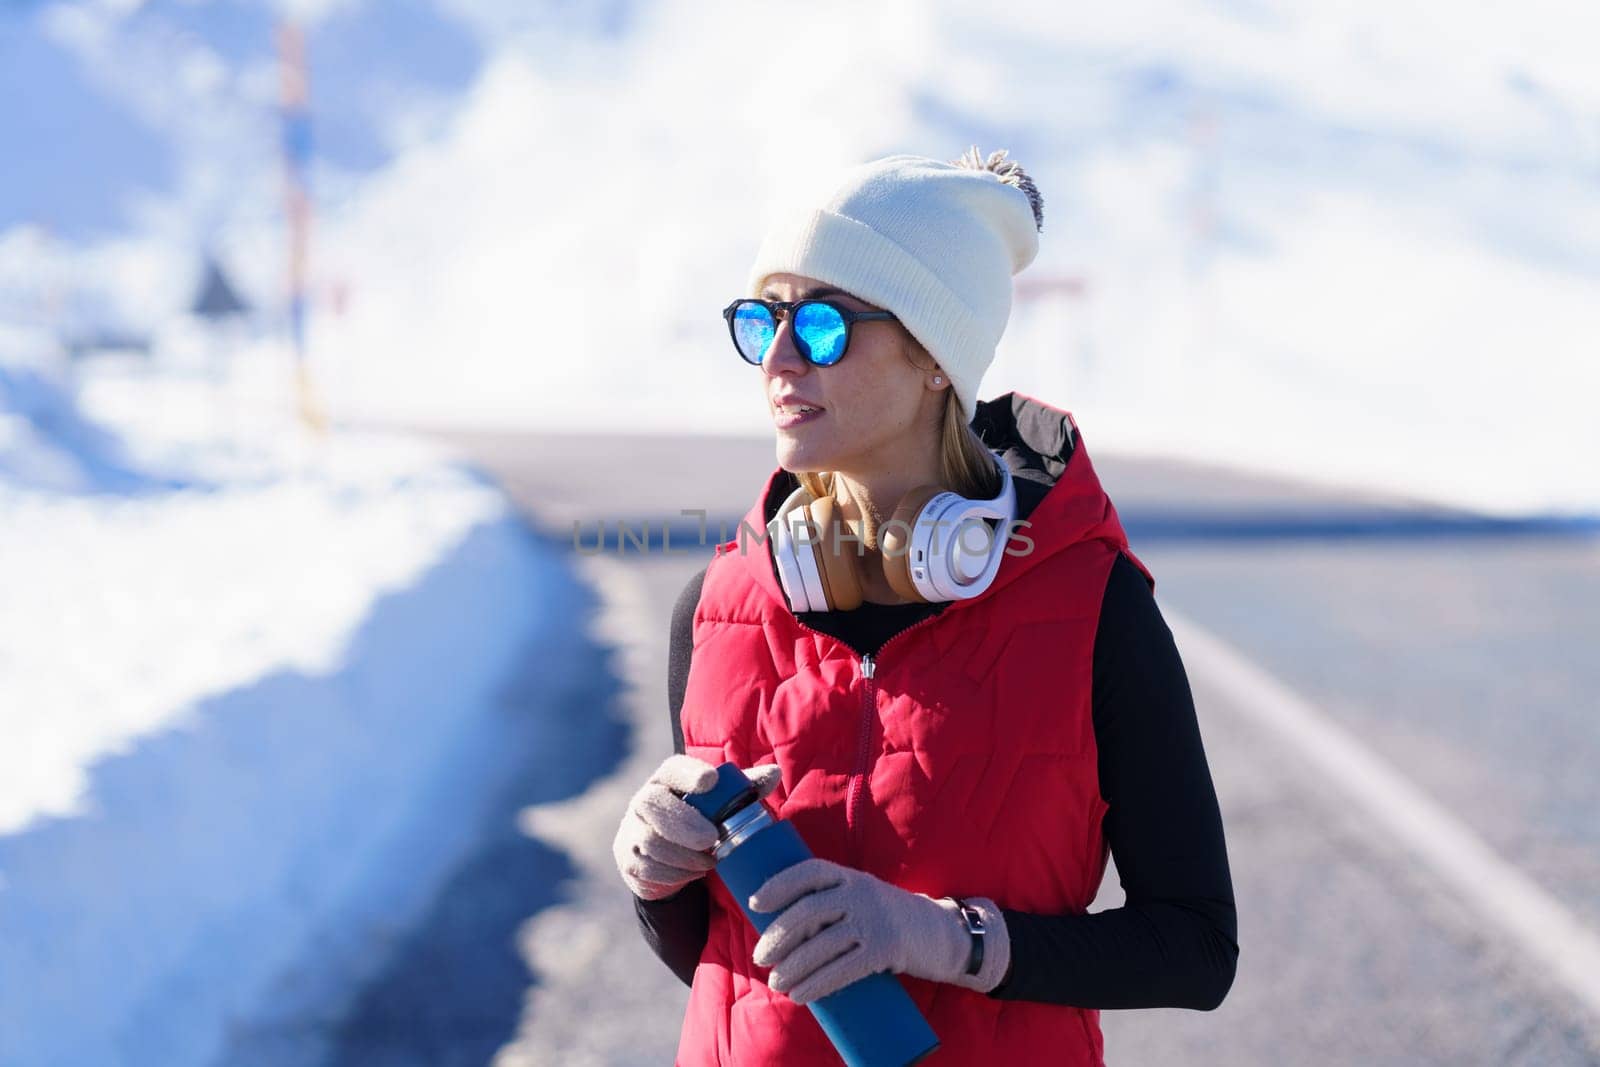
[(791, 412), (794, 406)]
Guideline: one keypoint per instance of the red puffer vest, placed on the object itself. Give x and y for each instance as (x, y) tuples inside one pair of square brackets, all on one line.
[(963, 766)]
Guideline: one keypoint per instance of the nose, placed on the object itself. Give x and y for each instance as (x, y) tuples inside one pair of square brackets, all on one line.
[(782, 357)]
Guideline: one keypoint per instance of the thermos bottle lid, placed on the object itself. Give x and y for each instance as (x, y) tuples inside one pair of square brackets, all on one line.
[(732, 792)]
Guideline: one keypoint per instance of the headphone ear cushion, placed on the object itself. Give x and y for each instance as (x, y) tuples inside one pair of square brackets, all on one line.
[(841, 580), (896, 541), (786, 549)]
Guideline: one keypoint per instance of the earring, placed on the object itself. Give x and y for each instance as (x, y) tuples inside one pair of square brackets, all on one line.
[(937, 379)]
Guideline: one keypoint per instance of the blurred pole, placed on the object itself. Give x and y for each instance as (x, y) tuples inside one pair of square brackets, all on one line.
[(295, 105)]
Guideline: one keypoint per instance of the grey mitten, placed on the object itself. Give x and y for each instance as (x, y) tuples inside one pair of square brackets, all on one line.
[(664, 844), (835, 925)]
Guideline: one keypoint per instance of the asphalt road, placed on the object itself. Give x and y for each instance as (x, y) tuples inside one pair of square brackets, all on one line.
[(1462, 657)]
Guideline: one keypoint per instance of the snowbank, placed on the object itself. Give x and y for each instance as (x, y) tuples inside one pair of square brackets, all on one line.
[(252, 724)]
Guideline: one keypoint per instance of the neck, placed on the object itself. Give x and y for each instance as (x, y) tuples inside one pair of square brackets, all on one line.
[(869, 496)]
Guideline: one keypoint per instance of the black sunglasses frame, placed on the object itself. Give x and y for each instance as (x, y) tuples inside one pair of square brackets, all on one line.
[(780, 308)]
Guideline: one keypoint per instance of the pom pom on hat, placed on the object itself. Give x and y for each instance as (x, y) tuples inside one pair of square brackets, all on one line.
[(1010, 172), (934, 242)]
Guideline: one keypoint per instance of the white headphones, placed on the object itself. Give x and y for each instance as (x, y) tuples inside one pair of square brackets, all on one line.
[(930, 551)]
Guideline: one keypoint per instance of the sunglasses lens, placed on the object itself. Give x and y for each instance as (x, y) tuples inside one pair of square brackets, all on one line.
[(822, 330), (753, 330)]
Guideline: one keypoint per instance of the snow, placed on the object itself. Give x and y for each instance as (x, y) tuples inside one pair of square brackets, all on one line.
[(239, 709), (1353, 247), (1337, 244)]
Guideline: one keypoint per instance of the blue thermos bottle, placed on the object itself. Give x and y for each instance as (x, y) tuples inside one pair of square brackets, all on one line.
[(872, 1022)]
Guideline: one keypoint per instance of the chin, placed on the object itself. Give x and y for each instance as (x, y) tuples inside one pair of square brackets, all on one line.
[(796, 456)]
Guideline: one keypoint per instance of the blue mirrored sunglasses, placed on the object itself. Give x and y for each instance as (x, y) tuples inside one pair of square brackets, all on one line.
[(821, 329)]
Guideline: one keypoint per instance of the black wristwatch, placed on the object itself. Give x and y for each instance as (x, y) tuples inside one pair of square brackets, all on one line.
[(974, 920)]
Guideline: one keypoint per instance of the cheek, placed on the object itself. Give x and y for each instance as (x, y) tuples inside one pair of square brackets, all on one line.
[(871, 416), (891, 399), (865, 400), (881, 385)]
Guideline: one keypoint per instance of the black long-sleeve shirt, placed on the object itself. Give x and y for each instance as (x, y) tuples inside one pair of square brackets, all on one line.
[(1174, 942)]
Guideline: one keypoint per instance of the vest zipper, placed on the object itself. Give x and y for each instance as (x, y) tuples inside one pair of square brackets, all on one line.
[(869, 708), (869, 713)]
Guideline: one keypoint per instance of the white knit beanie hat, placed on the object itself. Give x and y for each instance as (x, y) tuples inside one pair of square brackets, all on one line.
[(936, 243)]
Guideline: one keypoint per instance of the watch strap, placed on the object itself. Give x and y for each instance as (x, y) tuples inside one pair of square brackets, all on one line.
[(973, 918)]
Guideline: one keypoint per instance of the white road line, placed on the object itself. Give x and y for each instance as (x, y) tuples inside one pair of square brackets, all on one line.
[(1536, 921)]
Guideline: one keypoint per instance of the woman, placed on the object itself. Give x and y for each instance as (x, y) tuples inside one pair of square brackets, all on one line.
[(961, 758)]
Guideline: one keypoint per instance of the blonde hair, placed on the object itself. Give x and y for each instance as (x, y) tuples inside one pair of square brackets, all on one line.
[(966, 465)]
